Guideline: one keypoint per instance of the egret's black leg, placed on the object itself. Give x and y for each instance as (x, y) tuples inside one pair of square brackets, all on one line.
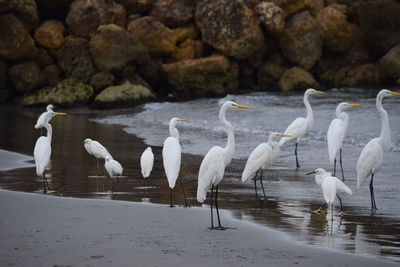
[(114, 184), (255, 184), (183, 190), (334, 167), (262, 186), (170, 191), (216, 207), (341, 166), (97, 167), (211, 204), (340, 201), (297, 160), (371, 189), (45, 186)]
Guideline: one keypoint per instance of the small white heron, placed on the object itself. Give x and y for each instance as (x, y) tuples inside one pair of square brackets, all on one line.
[(146, 162), (97, 150), (114, 169)]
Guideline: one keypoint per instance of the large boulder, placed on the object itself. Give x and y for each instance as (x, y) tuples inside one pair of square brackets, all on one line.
[(136, 6), (4, 94), (113, 47), (50, 9), (186, 32), (124, 95), (15, 41), (209, 76), (230, 26), (66, 93), (390, 64), (272, 16), (363, 75), (335, 29), (102, 80), (291, 7), (301, 41), (173, 13), (297, 78), (51, 75), (75, 60), (158, 38), (43, 58), (50, 34), (86, 15), (270, 72), (380, 20), (26, 76), (25, 10)]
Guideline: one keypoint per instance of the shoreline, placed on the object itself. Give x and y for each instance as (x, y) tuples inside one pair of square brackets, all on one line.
[(45, 230)]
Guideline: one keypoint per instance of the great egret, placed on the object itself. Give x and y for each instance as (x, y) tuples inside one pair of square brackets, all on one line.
[(213, 166), (371, 156), (146, 162), (299, 127), (336, 132), (97, 150), (113, 168), (330, 185), (42, 150), (262, 156), (171, 154)]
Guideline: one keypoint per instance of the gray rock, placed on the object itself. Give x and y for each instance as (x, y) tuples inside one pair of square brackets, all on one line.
[(297, 78), (390, 64), (26, 76)]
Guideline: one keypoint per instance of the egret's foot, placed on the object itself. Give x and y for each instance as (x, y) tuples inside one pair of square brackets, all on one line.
[(220, 228), (341, 214), (186, 206), (171, 206), (319, 211)]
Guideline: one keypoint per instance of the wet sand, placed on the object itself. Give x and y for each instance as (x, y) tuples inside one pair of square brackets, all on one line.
[(41, 230)]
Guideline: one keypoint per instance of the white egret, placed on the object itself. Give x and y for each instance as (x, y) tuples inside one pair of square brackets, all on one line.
[(97, 150), (299, 127), (146, 162), (330, 185), (262, 156), (213, 166), (114, 169), (371, 156), (171, 154), (42, 150), (336, 133)]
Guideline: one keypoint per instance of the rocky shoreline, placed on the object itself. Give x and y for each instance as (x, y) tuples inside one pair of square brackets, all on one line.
[(105, 53)]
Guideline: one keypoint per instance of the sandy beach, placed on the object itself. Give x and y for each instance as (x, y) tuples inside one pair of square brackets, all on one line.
[(41, 230)]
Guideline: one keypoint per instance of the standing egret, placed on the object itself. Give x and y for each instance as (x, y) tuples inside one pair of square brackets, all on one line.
[(113, 168), (371, 156), (97, 150), (299, 127), (336, 132), (330, 187), (261, 157), (213, 166), (146, 162), (42, 150), (171, 154)]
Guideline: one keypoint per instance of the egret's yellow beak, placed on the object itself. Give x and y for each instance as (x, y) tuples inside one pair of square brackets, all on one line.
[(353, 105), (394, 93), (318, 92), (284, 135), (183, 119), (59, 113), (242, 106)]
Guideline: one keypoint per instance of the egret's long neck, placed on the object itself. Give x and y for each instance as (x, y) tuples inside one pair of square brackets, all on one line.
[(229, 149), (310, 116), (385, 138), (173, 131), (49, 131)]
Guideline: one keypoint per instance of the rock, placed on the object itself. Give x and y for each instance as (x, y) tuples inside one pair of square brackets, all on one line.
[(186, 32), (380, 20), (4, 94), (363, 75), (291, 7), (66, 93), (25, 10), (301, 40), (112, 48), (390, 63), (271, 16), (50, 34), (50, 9), (26, 76), (102, 80), (43, 58), (86, 15), (230, 26), (136, 6), (335, 29), (297, 78), (126, 94), (75, 60), (210, 76), (173, 13), (15, 41), (270, 72), (51, 75), (158, 38), (187, 50)]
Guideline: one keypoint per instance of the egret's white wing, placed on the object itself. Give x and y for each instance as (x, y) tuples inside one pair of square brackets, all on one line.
[(370, 160), (341, 187), (41, 154), (335, 137), (88, 148), (296, 130), (40, 120), (171, 159), (146, 162), (256, 160), (329, 189), (99, 151)]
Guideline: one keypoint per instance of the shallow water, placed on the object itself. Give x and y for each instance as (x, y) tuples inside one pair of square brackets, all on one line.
[(291, 194)]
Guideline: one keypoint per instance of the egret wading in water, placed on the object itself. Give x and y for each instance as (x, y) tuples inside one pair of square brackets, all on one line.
[(260, 158), (171, 154), (299, 127), (213, 166), (336, 133), (146, 163), (42, 150), (114, 169), (331, 186), (97, 150), (371, 156)]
